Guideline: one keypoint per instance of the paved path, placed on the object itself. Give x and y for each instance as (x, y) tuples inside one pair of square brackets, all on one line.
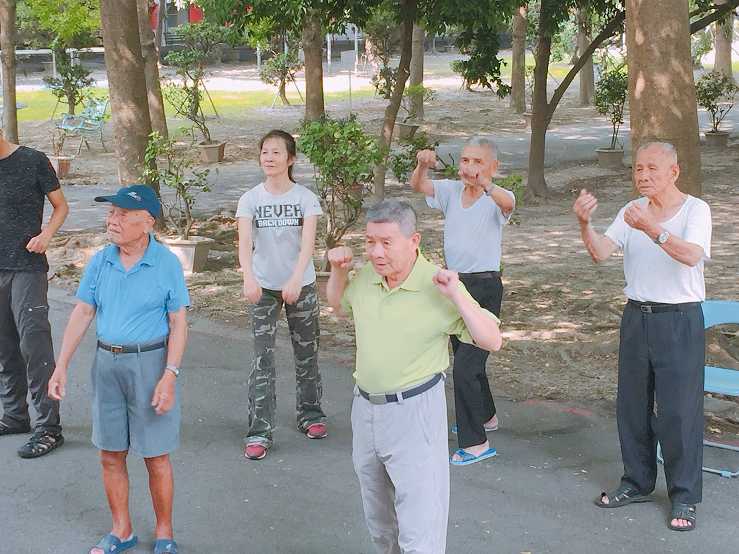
[(304, 499)]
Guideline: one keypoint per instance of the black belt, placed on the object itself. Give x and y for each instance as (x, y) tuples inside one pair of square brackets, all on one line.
[(480, 275), (131, 348), (393, 397), (657, 307)]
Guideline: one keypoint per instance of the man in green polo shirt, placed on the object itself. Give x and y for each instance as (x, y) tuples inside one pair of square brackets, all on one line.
[(404, 309)]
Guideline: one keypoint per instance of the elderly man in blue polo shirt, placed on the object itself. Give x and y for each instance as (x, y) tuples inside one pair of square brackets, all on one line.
[(135, 289)]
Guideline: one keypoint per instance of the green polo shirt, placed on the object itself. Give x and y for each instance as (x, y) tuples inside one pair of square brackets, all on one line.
[(402, 333)]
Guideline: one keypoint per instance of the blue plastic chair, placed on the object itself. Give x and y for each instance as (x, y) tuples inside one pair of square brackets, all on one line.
[(88, 124), (719, 380)]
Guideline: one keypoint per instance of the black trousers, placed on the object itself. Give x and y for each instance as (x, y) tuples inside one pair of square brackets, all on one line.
[(661, 358), (26, 351), (473, 401)]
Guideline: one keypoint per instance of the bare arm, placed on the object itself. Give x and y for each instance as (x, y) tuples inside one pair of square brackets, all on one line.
[(340, 259), (419, 178), (60, 209), (252, 290), (79, 321), (505, 201), (177, 337), (600, 247), (484, 329)]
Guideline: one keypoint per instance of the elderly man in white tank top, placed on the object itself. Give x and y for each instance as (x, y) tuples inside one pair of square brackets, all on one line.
[(665, 236)]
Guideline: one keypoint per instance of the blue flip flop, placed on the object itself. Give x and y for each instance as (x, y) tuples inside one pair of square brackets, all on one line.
[(468, 458), (165, 546), (111, 544)]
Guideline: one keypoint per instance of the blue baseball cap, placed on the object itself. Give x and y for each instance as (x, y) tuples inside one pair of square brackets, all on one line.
[(135, 197)]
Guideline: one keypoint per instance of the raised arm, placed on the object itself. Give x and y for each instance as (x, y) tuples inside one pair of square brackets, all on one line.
[(483, 328), (600, 247), (426, 159), (340, 259)]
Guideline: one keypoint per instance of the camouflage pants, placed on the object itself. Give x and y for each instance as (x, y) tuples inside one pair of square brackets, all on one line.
[(302, 320)]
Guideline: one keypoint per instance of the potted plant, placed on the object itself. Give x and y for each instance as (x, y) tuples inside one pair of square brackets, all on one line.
[(408, 126), (343, 157), (610, 99), (716, 92), (61, 163), (200, 41), (171, 169)]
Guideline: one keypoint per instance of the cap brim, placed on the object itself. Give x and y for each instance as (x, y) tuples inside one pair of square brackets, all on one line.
[(122, 202)]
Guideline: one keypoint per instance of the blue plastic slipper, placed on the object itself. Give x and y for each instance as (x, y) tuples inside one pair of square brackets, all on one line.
[(468, 458), (111, 544), (455, 429), (165, 546)]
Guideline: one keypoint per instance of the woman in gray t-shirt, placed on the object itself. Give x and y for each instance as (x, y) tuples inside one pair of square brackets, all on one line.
[(277, 230)]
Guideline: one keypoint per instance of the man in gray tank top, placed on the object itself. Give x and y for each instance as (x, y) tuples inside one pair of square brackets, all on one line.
[(475, 211)]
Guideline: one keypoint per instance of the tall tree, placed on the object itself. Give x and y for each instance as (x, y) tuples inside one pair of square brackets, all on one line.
[(313, 49), (724, 37), (151, 71), (518, 60), (587, 75), (7, 59), (418, 52), (662, 102), (127, 82)]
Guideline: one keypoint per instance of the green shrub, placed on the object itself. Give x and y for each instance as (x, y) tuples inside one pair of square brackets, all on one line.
[(716, 93)]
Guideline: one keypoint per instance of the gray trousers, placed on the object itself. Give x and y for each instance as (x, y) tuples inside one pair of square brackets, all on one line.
[(26, 351), (401, 458)]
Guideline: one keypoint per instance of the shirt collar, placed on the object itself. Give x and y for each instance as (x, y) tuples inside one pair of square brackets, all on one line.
[(149, 258), (415, 280)]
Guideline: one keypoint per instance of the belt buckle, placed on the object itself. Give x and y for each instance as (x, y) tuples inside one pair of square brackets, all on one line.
[(646, 309), (116, 349), (377, 398)]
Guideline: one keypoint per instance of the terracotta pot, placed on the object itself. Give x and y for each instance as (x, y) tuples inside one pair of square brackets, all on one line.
[(610, 158), (61, 164), (212, 153), (717, 139), (407, 130), (192, 252), (321, 282)]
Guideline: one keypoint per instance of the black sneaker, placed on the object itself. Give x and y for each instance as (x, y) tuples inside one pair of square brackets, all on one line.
[(40, 444), (6, 429)]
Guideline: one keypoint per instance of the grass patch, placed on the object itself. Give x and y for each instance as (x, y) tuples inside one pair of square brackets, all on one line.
[(40, 104)]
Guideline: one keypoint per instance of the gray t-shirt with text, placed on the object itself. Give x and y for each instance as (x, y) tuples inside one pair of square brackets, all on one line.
[(472, 235), (277, 228)]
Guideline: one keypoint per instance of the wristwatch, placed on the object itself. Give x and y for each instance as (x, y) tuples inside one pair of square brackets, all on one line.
[(174, 369), (662, 238)]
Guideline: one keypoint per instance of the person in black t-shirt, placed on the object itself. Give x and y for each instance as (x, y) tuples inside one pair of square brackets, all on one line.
[(26, 351)]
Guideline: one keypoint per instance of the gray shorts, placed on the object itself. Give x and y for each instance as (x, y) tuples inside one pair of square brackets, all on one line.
[(122, 415)]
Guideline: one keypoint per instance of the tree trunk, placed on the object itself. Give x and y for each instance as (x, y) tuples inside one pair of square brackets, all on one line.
[(407, 10), (313, 49), (283, 93), (151, 71), (159, 32), (128, 100), (7, 45), (537, 184), (587, 75), (518, 61), (724, 36), (661, 87), (416, 78)]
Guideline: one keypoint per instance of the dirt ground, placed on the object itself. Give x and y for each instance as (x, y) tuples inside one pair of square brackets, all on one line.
[(560, 311)]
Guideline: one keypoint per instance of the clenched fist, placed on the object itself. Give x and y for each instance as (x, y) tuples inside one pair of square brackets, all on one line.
[(340, 257), (584, 207), (426, 159), (447, 281)]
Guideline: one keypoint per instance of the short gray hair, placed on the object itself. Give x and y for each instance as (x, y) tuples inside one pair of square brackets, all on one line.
[(484, 143), (393, 210), (666, 147)]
